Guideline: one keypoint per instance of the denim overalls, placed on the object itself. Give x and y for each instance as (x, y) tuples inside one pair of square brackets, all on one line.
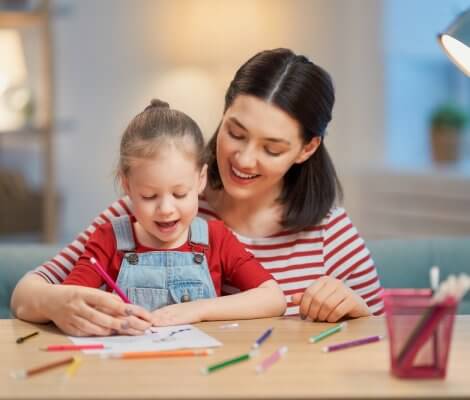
[(158, 278)]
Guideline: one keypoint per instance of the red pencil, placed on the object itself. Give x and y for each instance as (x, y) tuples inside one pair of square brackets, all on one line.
[(72, 347)]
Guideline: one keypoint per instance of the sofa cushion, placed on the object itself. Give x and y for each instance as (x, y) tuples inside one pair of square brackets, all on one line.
[(406, 263), (15, 261)]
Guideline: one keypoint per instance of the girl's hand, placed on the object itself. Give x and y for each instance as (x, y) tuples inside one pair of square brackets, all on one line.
[(329, 299), (178, 314), (82, 311)]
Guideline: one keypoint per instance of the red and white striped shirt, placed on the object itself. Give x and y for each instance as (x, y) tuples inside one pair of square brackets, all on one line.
[(295, 259)]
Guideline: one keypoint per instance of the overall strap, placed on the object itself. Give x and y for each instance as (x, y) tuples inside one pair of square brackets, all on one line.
[(199, 232), (122, 227)]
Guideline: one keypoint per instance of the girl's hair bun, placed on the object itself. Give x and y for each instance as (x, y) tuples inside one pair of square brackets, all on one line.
[(156, 103)]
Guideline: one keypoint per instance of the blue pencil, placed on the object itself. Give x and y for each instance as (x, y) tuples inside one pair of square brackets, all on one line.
[(262, 338)]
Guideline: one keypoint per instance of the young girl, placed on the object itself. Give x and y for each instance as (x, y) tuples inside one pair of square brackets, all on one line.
[(165, 258)]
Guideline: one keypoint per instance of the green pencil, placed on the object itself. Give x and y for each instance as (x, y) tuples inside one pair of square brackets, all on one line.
[(226, 363), (328, 332)]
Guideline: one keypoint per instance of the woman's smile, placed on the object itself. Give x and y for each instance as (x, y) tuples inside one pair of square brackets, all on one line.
[(242, 177)]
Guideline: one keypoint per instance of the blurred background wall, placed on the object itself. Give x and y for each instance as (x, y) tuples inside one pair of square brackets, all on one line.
[(112, 56)]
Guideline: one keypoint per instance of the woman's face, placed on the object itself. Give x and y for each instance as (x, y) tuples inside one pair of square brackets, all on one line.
[(257, 143)]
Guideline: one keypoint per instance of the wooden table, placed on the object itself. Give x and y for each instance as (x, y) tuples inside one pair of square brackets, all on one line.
[(305, 373)]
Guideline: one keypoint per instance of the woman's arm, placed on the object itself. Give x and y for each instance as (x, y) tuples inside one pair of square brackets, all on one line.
[(267, 300), (350, 287), (76, 310), (329, 299)]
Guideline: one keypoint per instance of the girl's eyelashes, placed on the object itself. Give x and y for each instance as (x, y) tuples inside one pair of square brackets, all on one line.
[(152, 197)]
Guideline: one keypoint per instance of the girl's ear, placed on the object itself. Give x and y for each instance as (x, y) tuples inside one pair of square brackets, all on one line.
[(202, 179), (308, 149), (124, 183)]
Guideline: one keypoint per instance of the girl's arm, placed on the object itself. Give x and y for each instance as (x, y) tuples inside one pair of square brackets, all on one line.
[(267, 300)]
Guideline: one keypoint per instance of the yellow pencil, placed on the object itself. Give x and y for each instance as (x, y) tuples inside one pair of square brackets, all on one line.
[(72, 368)]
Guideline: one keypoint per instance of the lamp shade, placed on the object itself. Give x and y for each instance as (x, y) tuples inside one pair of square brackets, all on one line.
[(456, 40)]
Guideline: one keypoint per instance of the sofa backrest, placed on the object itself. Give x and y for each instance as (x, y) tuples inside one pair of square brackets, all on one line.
[(406, 263), (400, 263), (15, 261)]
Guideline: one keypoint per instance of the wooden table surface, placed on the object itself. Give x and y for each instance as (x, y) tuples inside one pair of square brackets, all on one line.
[(305, 373)]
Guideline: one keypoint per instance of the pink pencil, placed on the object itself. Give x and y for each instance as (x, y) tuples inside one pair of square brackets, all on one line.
[(108, 280)]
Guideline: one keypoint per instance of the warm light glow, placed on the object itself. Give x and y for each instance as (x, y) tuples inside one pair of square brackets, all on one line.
[(194, 92), (12, 76), (12, 62), (207, 32), (458, 52)]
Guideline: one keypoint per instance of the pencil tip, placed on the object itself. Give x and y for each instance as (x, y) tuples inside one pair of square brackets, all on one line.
[(18, 374)]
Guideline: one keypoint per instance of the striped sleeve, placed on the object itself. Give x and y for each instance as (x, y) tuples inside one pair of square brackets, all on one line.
[(347, 258), (58, 268)]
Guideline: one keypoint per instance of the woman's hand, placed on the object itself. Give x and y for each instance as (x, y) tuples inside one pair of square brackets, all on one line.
[(329, 299), (178, 314), (85, 311), (77, 310)]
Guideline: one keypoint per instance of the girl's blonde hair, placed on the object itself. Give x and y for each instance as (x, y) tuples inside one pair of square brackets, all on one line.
[(152, 128)]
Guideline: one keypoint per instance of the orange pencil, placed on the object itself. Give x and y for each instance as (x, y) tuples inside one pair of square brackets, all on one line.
[(159, 354), (72, 347), (46, 367)]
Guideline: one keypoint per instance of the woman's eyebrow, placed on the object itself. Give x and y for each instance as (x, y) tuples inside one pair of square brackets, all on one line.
[(238, 123), (241, 126)]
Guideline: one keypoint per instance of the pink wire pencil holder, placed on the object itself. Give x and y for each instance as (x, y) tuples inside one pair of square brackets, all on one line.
[(419, 332)]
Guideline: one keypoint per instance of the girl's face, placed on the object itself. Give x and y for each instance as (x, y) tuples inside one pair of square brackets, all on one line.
[(257, 143), (164, 192)]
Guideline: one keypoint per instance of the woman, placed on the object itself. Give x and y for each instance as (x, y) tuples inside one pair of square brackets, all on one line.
[(273, 183)]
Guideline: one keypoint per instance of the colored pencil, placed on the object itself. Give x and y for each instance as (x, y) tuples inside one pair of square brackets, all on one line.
[(72, 347), (159, 354), (228, 326), (226, 363), (72, 368), (25, 373), (262, 338), (26, 337), (108, 280), (328, 332), (352, 343), (272, 359), (434, 274)]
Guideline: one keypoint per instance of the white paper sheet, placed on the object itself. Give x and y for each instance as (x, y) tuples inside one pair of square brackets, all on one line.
[(157, 338)]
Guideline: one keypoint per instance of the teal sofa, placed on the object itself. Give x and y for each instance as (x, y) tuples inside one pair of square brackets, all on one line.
[(400, 263)]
